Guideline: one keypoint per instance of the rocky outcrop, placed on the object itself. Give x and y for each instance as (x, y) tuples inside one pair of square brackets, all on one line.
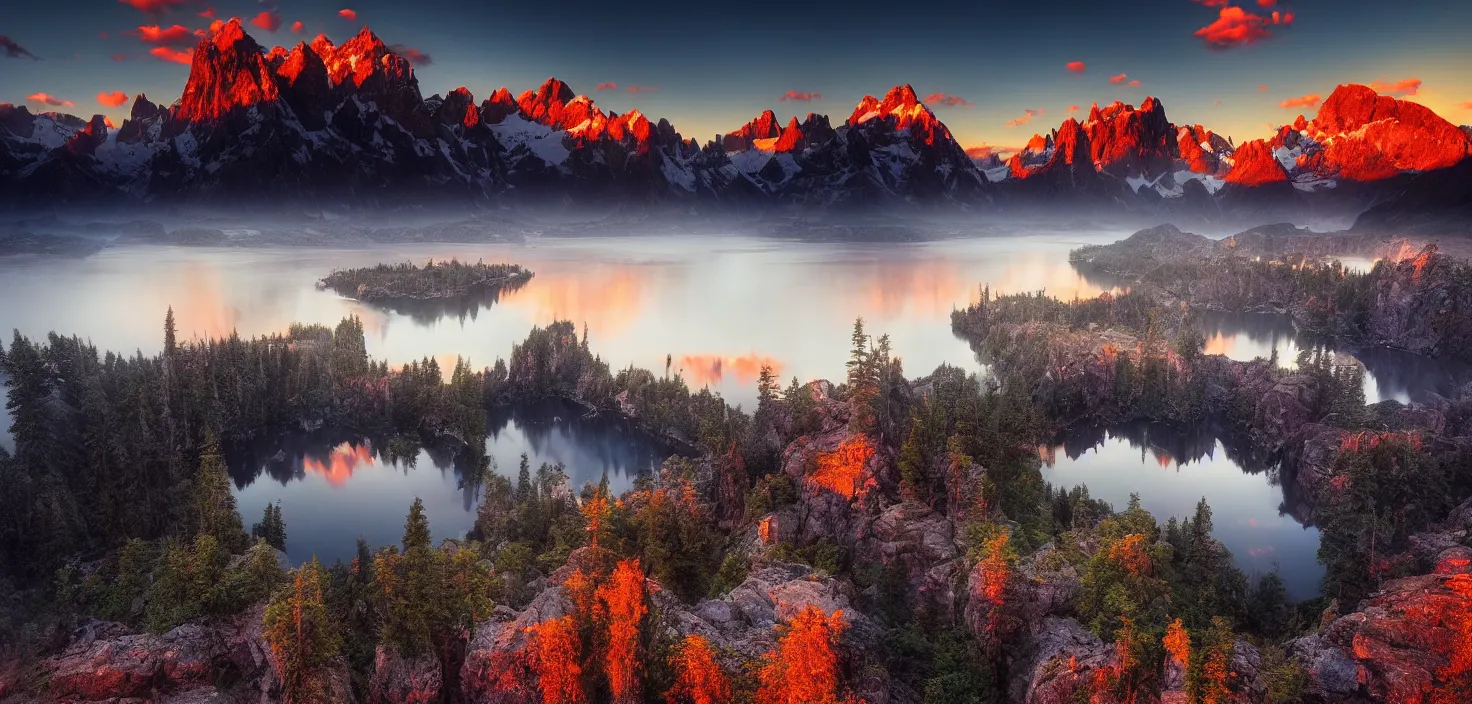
[(400, 680), (1397, 646), (1254, 166), (1062, 662), (226, 660), (1044, 584)]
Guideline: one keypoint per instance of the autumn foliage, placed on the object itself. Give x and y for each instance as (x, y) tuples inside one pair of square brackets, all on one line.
[(622, 608), (1456, 675), (842, 470), (1178, 643), (995, 570), (803, 668), (1131, 553), (556, 657), (699, 678)]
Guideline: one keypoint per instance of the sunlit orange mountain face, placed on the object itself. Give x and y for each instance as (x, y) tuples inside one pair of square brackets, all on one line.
[(313, 119)]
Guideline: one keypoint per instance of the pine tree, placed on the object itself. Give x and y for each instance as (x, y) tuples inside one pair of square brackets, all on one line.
[(272, 527), (301, 634), (524, 480), (170, 334), (215, 512), (863, 387)]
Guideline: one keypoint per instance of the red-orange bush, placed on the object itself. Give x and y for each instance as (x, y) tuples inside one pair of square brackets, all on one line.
[(556, 657), (699, 678), (622, 608), (803, 668)]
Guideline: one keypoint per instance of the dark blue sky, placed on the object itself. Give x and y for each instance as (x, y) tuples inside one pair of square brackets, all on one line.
[(717, 66)]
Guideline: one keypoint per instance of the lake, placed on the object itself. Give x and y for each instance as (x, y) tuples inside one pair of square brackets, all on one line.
[(1171, 470), (718, 307), (335, 488)]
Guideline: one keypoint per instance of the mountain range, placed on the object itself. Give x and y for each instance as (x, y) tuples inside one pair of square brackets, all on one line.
[(325, 122)]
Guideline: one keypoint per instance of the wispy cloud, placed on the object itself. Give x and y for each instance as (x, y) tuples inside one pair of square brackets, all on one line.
[(153, 7), (297, 27), (48, 99), (1235, 27), (642, 89), (1262, 89), (15, 51), (799, 96), (1121, 78), (415, 56), (948, 100), (607, 85), (167, 54), (112, 99), (1027, 116), (349, 15), (1311, 100), (177, 35), (1407, 86), (269, 21)]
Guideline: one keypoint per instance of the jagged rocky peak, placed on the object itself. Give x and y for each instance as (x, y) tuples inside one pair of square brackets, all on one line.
[(361, 58), (1127, 141), (556, 105), (791, 139), (1253, 164), (763, 126), (229, 71), (301, 63), (900, 103), (498, 107), (86, 140), (458, 108)]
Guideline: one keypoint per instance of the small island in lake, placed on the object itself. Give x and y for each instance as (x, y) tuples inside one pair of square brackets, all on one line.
[(441, 285)]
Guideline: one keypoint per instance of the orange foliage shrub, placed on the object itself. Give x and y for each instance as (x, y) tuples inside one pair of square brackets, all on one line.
[(803, 668), (699, 678), (1130, 553), (1214, 673), (1178, 643), (596, 510), (995, 570), (841, 471), (556, 654), (580, 590), (621, 602)]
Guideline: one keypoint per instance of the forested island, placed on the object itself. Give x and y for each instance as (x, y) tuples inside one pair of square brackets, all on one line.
[(433, 289), (884, 539)]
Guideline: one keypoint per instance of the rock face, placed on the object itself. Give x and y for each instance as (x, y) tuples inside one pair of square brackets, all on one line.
[(1396, 647), (1062, 660), (1368, 137), (1254, 165), (399, 680)]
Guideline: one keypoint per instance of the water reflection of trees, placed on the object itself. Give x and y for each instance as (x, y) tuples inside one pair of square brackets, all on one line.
[(461, 308), (600, 444)]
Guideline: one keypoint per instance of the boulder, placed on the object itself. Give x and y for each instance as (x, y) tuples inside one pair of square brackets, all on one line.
[(1061, 662), (104, 661)]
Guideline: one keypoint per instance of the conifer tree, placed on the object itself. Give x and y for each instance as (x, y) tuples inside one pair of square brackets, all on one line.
[(215, 512), (301, 634)]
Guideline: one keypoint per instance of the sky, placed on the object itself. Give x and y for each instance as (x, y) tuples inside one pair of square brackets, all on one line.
[(997, 72)]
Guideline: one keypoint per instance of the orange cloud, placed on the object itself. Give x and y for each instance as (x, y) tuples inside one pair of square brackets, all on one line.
[(152, 7), (349, 15), (1408, 86), (48, 99), (175, 35), (178, 57), (1465, 106), (415, 56), (948, 100), (709, 370), (987, 150), (1076, 66), (608, 85), (207, 13), (1311, 100), (1235, 27), (643, 89), (799, 97), (1027, 116), (1116, 80), (297, 27), (1133, 84), (119, 57), (1263, 89), (269, 21), (1266, 3), (112, 99), (1073, 109)]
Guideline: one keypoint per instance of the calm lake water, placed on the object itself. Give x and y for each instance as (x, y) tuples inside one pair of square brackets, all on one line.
[(1171, 471), (336, 488), (719, 307)]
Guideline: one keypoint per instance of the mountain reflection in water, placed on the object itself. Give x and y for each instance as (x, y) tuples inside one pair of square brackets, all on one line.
[(335, 488), (1173, 469)]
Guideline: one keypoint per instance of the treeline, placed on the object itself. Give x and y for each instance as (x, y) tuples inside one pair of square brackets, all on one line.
[(445, 279)]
